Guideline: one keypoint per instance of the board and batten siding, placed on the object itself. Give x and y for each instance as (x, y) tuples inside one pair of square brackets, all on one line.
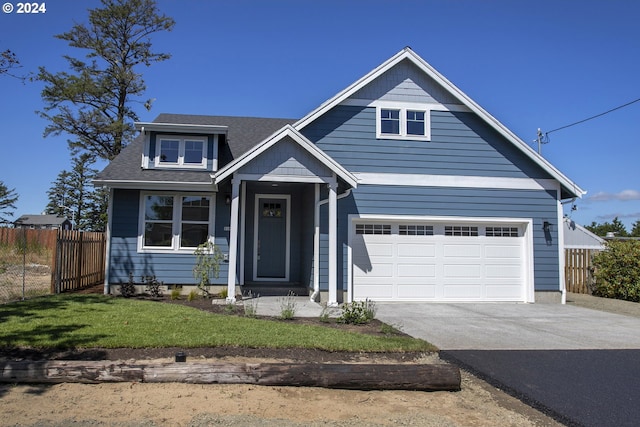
[(461, 144), (170, 268)]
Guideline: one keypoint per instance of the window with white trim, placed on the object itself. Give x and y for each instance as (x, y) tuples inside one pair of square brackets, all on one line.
[(460, 230), (501, 232), (415, 230), (403, 123), (175, 221), (373, 228), (183, 152)]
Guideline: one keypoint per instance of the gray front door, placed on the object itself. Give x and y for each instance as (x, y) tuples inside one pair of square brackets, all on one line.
[(271, 248)]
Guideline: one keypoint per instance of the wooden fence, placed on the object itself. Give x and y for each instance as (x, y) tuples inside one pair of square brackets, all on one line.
[(79, 260), (578, 270), (45, 239)]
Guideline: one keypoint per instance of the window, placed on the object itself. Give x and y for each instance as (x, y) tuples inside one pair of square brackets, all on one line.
[(415, 230), (181, 152), (405, 123), (174, 222), (373, 229), (460, 230), (502, 232)]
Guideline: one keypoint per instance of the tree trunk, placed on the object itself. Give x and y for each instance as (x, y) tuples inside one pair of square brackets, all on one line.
[(344, 376)]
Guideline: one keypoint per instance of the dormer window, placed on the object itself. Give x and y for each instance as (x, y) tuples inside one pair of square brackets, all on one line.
[(400, 122), (183, 152)]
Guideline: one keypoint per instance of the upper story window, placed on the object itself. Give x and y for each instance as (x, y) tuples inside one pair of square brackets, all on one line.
[(187, 152), (403, 123)]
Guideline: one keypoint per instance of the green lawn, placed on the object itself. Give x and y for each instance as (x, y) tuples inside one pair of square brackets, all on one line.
[(85, 321)]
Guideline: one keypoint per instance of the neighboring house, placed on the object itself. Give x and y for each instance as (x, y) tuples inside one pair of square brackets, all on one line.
[(578, 237), (399, 188), (43, 222)]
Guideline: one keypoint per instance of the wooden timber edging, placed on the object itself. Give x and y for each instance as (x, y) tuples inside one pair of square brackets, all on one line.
[(419, 377)]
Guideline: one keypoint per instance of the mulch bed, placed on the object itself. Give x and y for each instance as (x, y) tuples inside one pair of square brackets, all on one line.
[(296, 354)]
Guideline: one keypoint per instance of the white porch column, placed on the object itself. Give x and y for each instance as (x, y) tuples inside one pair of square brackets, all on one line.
[(333, 244), (233, 240)]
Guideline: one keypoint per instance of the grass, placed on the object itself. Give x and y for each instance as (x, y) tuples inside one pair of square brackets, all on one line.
[(86, 321)]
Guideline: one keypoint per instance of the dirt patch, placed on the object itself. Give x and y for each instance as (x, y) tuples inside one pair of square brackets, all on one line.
[(138, 404)]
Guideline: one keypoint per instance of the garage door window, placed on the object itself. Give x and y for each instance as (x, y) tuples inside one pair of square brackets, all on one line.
[(373, 229), (460, 230), (502, 232), (415, 230)]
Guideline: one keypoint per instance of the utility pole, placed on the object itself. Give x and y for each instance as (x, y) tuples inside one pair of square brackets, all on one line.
[(541, 139)]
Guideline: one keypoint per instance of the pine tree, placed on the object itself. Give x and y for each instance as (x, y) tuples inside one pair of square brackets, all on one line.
[(8, 199)]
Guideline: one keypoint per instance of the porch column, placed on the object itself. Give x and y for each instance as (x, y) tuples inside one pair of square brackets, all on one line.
[(233, 241), (333, 243)]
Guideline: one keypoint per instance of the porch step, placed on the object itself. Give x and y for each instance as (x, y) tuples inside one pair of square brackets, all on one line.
[(274, 290)]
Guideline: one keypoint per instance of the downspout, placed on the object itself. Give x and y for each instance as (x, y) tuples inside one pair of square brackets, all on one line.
[(316, 242), (107, 257)]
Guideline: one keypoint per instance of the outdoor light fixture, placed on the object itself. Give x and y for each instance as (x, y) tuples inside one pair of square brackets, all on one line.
[(227, 199), (546, 226)]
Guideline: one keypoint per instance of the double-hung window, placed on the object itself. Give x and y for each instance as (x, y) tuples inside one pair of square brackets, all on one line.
[(403, 123), (175, 221), (184, 152)]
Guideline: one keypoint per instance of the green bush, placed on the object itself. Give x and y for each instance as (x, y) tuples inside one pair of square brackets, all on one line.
[(618, 271), (358, 312)]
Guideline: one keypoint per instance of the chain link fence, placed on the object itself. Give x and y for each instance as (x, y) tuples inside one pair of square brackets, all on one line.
[(25, 263)]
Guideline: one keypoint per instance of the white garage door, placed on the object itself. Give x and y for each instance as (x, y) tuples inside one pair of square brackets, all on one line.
[(438, 261)]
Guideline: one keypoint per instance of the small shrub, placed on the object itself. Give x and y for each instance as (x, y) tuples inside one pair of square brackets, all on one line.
[(250, 305), (128, 289), (617, 271), (358, 312), (193, 294), (175, 294), (208, 259), (288, 306), (153, 286), (324, 314), (223, 293), (230, 308)]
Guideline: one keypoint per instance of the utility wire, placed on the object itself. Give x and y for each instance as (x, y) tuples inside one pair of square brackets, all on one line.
[(593, 117)]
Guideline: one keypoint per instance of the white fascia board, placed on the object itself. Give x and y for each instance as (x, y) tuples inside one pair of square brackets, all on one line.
[(409, 54), (287, 131), (456, 181), (178, 127), (156, 185)]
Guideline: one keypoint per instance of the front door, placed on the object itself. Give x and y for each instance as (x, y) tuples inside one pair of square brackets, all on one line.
[(271, 243)]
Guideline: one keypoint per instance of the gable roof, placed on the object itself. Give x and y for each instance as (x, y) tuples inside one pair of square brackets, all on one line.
[(34, 219), (570, 189), (576, 236), (297, 137)]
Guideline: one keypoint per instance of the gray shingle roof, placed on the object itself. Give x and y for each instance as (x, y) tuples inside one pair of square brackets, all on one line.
[(243, 133), (33, 219)]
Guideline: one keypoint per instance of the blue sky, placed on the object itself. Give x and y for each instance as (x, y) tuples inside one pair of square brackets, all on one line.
[(531, 64)]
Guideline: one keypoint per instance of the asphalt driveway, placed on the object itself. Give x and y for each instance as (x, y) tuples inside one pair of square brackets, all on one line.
[(578, 365)]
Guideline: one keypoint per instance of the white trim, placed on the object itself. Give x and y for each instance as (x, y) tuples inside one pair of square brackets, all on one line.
[(560, 232), (176, 222), (316, 242), (285, 178), (233, 241), (182, 142), (256, 221), (403, 109), (432, 106), (527, 230), (180, 128), (408, 54), (287, 131), (157, 185), (333, 245), (456, 181), (243, 224)]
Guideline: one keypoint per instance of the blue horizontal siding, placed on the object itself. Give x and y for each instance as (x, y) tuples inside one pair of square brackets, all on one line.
[(461, 144), (537, 205), (170, 268)]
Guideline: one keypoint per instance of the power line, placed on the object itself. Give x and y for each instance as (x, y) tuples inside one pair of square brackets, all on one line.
[(593, 117), (544, 138)]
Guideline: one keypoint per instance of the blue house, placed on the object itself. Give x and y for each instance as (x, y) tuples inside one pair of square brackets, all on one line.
[(399, 188)]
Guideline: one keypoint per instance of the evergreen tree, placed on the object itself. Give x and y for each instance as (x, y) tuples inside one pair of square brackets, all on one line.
[(8, 199), (616, 227), (93, 101), (635, 231)]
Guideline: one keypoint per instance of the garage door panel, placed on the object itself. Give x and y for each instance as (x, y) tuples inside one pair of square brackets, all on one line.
[(462, 291), (380, 292), (507, 291), (472, 271), (413, 250), (375, 249), (416, 270), (378, 270), (503, 271), (470, 250), (413, 291), (502, 252)]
